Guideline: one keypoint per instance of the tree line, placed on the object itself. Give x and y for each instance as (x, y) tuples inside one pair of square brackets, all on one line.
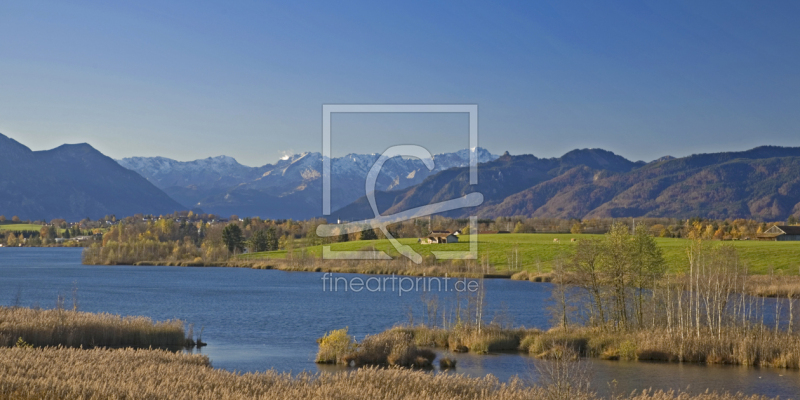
[(619, 282)]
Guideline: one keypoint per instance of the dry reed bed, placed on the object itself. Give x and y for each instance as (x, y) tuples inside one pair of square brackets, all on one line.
[(391, 348), (751, 347), (489, 338), (64, 373), (533, 276), (74, 329), (755, 347), (773, 286)]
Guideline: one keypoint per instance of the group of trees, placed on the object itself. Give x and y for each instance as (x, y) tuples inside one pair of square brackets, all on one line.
[(132, 240), (261, 240), (46, 235), (15, 219), (619, 283), (615, 272)]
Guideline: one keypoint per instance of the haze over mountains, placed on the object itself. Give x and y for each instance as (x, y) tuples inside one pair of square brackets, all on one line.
[(76, 181)]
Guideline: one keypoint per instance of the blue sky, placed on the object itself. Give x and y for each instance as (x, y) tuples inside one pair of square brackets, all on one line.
[(190, 80)]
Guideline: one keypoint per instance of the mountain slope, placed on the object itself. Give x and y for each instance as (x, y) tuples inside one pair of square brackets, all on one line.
[(762, 183), (497, 180), (189, 182), (72, 182), (738, 186)]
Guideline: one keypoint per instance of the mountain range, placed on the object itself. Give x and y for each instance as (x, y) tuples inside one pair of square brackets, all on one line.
[(77, 181), (762, 183), (290, 188), (72, 181)]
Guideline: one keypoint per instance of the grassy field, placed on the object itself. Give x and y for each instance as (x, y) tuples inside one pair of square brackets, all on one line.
[(536, 252), (20, 227)]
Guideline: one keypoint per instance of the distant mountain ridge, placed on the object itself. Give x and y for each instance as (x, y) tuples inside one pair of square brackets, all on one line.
[(290, 188), (76, 181), (762, 183), (72, 181)]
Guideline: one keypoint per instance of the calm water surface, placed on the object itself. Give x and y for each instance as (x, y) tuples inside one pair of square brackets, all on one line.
[(255, 320)]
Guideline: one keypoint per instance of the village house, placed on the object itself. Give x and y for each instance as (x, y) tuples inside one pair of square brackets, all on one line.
[(439, 237), (781, 233)]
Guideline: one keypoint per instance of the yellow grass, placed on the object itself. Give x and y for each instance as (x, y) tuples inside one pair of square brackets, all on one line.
[(74, 329), (68, 373), (490, 338), (773, 286), (752, 347), (391, 348)]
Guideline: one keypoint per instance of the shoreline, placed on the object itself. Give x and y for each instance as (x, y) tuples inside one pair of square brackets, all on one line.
[(430, 271), (768, 286)]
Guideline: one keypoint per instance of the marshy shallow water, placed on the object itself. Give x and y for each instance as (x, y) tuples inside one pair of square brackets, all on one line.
[(254, 320)]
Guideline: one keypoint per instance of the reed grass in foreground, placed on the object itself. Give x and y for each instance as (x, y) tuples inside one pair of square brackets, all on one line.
[(751, 347), (66, 374), (391, 348), (59, 327), (490, 338), (756, 347)]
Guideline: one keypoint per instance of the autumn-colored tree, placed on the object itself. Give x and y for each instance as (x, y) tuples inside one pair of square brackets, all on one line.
[(656, 229), (618, 272), (166, 227), (647, 267), (11, 240), (15, 219), (696, 230), (709, 232)]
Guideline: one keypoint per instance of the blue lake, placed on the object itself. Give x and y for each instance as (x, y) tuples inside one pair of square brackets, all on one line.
[(255, 320)]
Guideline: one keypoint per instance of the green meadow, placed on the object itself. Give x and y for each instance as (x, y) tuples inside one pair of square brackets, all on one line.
[(535, 252), (20, 227)]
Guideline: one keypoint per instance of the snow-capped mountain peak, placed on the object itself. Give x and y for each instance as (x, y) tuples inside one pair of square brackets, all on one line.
[(190, 182)]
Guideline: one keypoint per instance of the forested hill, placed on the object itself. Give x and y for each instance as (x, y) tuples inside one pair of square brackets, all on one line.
[(762, 183), (73, 182)]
